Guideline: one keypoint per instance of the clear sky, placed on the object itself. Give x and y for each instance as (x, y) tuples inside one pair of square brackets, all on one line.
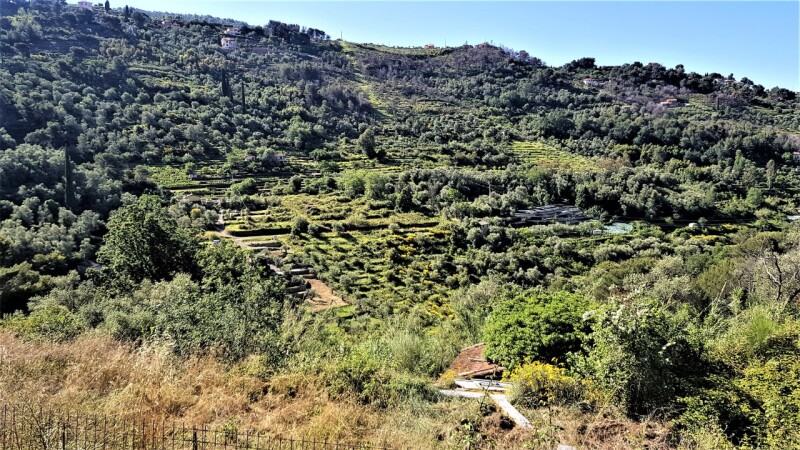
[(756, 39)]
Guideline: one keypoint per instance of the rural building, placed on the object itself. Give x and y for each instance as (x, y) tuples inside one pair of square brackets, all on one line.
[(430, 46), (671, 103), (592, 82), (484, 227), (229, 43), (278, 158), (233, 31), (192, 198), (796, 157), (471, 363), (168, 23), (85, 5)]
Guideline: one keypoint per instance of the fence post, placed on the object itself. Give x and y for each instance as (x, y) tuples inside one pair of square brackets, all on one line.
[(194, 438), (63, 435)]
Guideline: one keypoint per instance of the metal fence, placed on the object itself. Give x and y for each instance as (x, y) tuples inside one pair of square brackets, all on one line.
[(25, 428)]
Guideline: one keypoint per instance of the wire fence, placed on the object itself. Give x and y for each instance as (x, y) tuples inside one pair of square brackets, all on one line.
[(26, 428)]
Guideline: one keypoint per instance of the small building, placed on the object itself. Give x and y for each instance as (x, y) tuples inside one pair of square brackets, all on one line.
[(597, 232), (278, 159), (671, 103), (192, 198), (167, 24), (694, 225), (83, 4), (471, 363), (430, 46), (591, 82), (229, 43), (249, 158), (233, 31), (796, 157), (484, 227)]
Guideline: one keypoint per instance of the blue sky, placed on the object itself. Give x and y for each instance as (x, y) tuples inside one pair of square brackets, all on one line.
[(756, 39)]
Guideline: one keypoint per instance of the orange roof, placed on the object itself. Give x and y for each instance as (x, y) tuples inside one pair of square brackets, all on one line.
[(471, 363)]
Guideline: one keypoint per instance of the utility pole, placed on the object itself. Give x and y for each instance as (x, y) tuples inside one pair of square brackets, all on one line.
[(244, 106), (67, 179)]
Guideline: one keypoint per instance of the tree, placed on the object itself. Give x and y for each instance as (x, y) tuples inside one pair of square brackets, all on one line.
[(535, 327), (405, 200), (18, 284), (770, 173), (642, 355), (107, 6), (145, 242), (366, 143), (248, 186)]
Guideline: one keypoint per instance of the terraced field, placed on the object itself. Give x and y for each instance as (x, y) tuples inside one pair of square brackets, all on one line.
[(537, 154), (391, 269)]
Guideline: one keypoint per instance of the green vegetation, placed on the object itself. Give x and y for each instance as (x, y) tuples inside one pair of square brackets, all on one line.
[(193, 175)]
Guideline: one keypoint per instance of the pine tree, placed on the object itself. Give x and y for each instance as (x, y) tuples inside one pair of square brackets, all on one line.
[(226, 86), (108, 6), (127, 13)]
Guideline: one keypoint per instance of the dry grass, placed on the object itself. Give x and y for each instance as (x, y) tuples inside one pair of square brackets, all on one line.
[(95, 374)]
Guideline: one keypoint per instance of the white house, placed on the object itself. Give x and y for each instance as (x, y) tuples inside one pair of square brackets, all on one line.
[(229, 43), (85, 5), (233, 31)]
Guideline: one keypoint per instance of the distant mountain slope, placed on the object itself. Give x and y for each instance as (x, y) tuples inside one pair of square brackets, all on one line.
[(127, 94)]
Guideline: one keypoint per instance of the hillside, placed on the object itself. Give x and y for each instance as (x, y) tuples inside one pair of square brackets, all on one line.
[(312, 224)]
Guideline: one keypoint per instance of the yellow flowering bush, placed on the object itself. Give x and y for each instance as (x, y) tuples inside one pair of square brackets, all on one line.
[(538, 384)]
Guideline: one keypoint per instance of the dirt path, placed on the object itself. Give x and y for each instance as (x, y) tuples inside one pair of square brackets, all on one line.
[(324, 297)]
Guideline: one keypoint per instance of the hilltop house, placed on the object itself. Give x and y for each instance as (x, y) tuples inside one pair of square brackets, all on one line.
[(85, 5), (233, 31), (592, 82)]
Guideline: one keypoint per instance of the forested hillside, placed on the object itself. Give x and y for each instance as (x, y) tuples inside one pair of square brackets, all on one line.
[(255, 226)]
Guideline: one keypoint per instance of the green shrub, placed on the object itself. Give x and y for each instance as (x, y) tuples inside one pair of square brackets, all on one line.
[(248, 186), (299, 225), (537, 384), (53, 322), (643, 356), (535, 327)]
